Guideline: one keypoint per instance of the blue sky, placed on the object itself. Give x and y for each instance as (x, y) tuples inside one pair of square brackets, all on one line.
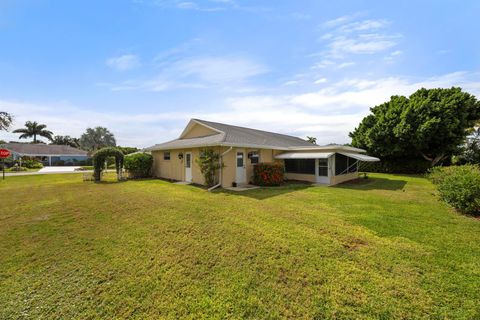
[(142, 68)]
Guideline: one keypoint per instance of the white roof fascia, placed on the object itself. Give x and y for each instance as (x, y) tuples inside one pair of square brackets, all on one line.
[(304, 155), (334, 147)]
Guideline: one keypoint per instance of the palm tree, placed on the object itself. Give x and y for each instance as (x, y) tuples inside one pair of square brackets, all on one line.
[(97, 138), (33, 129), (5, 120), (312, 140)]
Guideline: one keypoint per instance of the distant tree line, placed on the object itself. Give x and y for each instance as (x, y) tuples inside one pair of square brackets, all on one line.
[(92, 140)]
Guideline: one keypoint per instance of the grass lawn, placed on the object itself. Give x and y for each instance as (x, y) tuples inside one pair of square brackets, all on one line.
[(383, 248), (9, 170)]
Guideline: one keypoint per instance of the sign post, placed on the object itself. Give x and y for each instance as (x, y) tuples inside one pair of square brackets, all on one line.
[(4, 153)]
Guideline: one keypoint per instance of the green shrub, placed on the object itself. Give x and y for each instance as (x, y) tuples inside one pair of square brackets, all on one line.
[(459, 186), (32, 164), (139, 165), (268, 174), (399, 165), (18, 169), (209, 164)]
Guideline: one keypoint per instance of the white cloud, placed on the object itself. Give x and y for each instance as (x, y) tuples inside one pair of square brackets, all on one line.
[(320, 81), (329, 113), (123, 62), (198, 72), (372, 43), (345, 37), (364, 25), (393, 55), (337, 21), (201, 5)]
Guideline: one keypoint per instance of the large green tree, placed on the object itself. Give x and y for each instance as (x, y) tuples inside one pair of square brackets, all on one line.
[(34, 129), (431, 123), (5, 120), (97, 138), (66, 141)]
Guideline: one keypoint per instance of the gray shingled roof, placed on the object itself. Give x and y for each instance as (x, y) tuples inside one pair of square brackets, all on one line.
[(236, 136), (42, 149)]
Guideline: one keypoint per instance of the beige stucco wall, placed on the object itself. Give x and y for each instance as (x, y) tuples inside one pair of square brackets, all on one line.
[(174, 168), (342, 178), (168, 169), (228, 172), (301, 177)]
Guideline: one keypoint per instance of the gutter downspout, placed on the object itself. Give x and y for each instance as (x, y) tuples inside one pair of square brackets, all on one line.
[(221, 169)]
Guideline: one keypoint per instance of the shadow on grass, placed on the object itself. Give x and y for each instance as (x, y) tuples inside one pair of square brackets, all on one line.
[(373, 184), (266, 192), (109, 181)]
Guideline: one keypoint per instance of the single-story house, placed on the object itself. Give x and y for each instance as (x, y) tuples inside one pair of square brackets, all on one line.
[(48, 154), (241, 148)]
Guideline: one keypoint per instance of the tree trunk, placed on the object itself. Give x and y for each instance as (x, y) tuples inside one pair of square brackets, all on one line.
[(34, 138), (434, 160)]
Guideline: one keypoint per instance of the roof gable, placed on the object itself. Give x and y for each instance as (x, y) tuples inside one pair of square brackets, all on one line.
[(196, 129)]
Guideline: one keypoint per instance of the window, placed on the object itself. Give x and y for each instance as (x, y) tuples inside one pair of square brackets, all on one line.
[(254, 157), (323, 167), (166, 155), (306, 166), (188, 160), (239, 159), (344, 164)]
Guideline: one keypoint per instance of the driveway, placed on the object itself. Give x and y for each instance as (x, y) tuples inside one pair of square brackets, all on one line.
[(53, 169), (45, 170)]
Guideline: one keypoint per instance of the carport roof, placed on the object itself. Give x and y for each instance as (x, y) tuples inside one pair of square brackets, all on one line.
[(304, 155)]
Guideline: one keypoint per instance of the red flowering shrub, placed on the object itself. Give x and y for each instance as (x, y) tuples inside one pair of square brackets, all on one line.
[(268, 174)]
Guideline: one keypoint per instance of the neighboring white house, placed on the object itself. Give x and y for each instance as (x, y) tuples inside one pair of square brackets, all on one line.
[(48, 154)]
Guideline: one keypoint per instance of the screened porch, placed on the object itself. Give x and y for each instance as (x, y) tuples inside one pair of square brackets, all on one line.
[(322, 167)]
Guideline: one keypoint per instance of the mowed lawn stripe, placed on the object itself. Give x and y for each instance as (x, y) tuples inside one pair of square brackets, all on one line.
[(384, 247)]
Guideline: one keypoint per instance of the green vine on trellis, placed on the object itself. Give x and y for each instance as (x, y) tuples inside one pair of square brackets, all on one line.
[(100, 157)]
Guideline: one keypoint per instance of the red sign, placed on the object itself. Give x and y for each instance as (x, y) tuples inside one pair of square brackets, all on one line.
[(4, 153)]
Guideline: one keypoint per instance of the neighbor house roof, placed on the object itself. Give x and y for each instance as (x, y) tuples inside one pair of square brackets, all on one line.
[(29, 149), (230, 135)]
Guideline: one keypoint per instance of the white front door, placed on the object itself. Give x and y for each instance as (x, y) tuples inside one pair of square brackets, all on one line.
[(241, 176), (322, 171), (188, 166)]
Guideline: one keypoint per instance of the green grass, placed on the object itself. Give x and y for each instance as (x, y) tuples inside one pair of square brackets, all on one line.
[(383, 248), (9, 170)]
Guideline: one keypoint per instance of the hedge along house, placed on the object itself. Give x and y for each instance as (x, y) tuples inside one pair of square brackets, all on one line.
[(48, 154), (241, 148)]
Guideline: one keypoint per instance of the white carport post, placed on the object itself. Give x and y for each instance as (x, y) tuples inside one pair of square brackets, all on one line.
[(49, 161)]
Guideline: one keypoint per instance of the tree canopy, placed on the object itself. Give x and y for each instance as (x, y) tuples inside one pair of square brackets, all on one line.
[(66, 141), (6, 120), (34, 129), (431, 123), (97, 138)]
